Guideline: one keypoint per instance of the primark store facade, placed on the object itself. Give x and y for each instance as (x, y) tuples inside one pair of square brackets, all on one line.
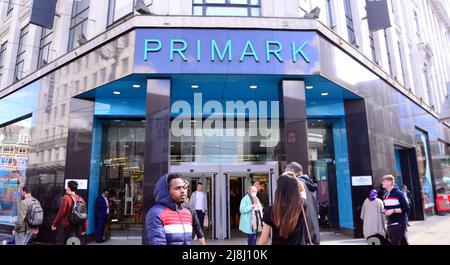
[(226, 106)]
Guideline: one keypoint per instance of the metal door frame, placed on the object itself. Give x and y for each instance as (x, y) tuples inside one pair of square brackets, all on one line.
[(219, 176)]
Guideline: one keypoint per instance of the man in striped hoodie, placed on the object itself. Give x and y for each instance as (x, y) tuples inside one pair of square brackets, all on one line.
[(396, 209), (169, 222)]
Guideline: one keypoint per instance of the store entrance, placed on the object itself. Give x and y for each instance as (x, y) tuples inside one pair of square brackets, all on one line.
[(225, 185), (322, 167), (237, 187), (122, 172)]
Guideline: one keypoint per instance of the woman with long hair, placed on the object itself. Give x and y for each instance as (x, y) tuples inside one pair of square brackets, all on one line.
[(285, 217)]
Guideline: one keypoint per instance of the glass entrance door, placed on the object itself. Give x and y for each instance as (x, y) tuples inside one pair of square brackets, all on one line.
[(236, 189), (322, 166), (122, 171), (226, 185), (207, 182)]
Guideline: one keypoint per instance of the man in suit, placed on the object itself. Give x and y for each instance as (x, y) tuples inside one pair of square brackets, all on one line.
[(101, 214)]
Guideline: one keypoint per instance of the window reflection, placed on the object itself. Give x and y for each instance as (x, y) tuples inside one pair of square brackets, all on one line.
[(242, 146), (423, 161), (443, 181), (14, 151)]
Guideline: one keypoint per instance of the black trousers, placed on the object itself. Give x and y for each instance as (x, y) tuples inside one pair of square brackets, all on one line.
[(201, 217), (396, 235), (99, 229)]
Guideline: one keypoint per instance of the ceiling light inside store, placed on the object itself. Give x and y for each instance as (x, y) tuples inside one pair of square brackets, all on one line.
[(309, 87), (195, 86), (136, 86), (116, 92), (253, 86), (324, 94)]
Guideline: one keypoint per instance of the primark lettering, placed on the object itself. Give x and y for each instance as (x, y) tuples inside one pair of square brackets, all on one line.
[(227, 51)]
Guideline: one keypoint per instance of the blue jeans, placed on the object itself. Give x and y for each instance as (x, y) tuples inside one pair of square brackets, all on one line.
[(251, 239)]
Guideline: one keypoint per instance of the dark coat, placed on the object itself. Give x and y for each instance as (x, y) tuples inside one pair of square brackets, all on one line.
[(101, 207), (167, 223), (311, 208)]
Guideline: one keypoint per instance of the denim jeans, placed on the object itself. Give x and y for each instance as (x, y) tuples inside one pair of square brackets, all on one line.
[(251, 239)]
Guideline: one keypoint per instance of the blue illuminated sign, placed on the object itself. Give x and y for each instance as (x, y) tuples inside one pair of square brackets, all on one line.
[(226, 51), (155, 46)]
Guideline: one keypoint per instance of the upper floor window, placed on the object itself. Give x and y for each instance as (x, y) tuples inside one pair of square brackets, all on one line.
[(372, 46), (251, 8), (23, 138), (20, 60), (400, 54), (45, 47), (388, 53), (2, 58), (416, 20), (78, 22), (330, 20), (117, 9), (349, 20), (10, 7)]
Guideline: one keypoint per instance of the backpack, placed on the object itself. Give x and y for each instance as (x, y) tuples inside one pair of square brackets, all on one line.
[(35, 214), (78, 214)]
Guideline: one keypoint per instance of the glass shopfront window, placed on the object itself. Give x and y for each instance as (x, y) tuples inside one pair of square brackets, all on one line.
[(443, 181), (224, 118), (423, 162), (13, 165)]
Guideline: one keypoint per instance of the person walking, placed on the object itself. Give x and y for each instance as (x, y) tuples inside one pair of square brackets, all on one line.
[(372, 216), (29, 217), (199, 203), (311, 203), (396, 209), (249, 208), (169, 221), (286, 218), (101, 214), (73, 214), (407, 194)]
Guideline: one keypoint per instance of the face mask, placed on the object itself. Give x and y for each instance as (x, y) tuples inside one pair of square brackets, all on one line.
[(253, 194)]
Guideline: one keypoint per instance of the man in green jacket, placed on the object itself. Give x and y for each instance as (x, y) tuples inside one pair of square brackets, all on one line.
[(22, 231)]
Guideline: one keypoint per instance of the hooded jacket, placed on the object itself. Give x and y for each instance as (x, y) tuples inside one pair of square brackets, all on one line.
[(166, 222), (311, 208)]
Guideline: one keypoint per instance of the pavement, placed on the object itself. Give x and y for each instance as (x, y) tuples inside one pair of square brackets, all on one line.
[(435, 230)]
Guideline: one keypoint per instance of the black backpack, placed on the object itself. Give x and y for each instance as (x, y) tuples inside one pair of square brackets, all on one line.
[(78, 214)]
